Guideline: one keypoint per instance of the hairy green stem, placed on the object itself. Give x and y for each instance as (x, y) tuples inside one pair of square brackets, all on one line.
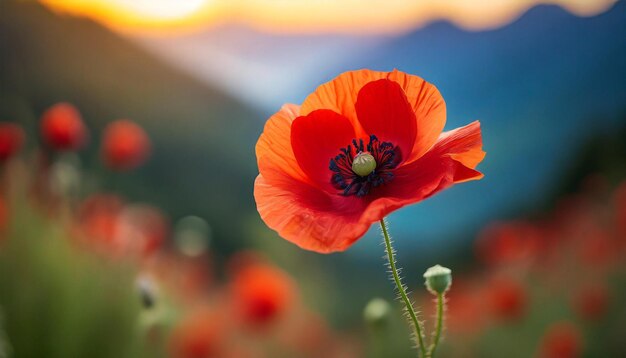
[(417, 329), (439, 328)]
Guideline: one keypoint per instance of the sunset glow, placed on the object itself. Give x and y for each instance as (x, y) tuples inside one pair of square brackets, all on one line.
[(352, 16), (164, 9), (139, 15)]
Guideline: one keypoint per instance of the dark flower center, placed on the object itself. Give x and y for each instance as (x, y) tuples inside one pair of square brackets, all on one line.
[(386, 155)]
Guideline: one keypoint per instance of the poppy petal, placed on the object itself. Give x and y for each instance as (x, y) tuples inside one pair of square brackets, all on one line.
[(273, 149), (464, 145), (308, 217), (452, 160), (429, 108), (412, 183), (383, 110), (340, 95), (316, 139)]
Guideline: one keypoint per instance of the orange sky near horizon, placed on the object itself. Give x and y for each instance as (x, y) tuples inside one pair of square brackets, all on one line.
[(307, 16)]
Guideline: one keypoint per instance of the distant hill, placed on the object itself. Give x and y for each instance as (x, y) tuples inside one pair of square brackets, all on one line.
[(276, 68), (203, 160)]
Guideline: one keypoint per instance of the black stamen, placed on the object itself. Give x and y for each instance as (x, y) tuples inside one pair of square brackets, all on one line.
[(387, 157)]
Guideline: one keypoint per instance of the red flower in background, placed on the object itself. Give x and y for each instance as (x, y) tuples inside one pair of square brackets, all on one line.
[(97, 219), (506, 299), (507, 243), (4, 215), (592, 302), (187, 279), (619, 197), (309, 333), (11, 140), (465, 309), (141, 229), (261, 293), (359, 147), (199, 335), (561, 340), (125, 145), (108, 224), (62, 127), (597, 248)]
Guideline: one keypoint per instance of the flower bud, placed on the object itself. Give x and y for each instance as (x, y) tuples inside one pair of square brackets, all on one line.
[(438, 279), (376, 312), (363, 164)]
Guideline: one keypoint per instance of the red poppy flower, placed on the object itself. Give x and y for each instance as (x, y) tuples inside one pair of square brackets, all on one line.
[(507, 243), (597, 249), (592, 302), (619, 197), (62, 127), (125, 145), (141, 229), (11, 140), (4, 215), (308, 332), (261, 293), (506, 299), (561, 340), (465, 309), (119, 229), (359, 147), (198, 335), (186, 280), (98, 217)]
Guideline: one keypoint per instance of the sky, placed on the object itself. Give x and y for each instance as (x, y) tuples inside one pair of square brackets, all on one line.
[(167, 17)]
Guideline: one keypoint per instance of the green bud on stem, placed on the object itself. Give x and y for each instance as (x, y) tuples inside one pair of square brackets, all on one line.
[(438, 279)]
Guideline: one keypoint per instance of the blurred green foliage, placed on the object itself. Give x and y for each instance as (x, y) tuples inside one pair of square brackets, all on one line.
[(58, 301)]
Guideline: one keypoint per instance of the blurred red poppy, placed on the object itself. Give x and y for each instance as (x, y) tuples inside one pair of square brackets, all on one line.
[(597, 249), (11, 140), (506, 299), (199, 335), (185, 278), (243, 259), (261, 294), (591, 302), (125, 145), (465, 309), (359, 147), (141, 229), (4, 215), (62, 127), (561, 340), (309, 335), (97, 219), (507, 243), (619, 197), (108, 224)]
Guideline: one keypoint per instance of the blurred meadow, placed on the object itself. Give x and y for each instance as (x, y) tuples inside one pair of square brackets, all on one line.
[(128, 226)]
